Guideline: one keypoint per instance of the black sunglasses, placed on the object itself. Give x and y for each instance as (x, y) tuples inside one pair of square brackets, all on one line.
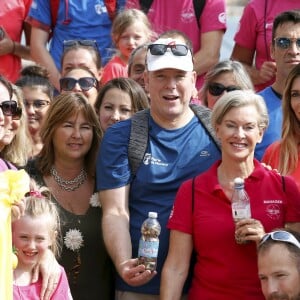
[(281, 236), (85, 83), (18, 114), (160, 49), (9, 107), (217, 89), (286, 43), (71, 43)]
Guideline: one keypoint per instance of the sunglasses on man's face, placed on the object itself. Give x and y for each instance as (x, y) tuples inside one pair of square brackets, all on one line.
[(8, 107), (85, 83), (161, 49), (285, 43), (281, 236), (217, 89), (71, 43)]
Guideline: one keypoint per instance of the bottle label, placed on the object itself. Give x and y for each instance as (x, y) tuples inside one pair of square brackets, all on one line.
[(148, 248), (241, 211)]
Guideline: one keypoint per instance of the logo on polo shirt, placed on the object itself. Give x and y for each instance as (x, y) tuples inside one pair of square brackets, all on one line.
[(149, 159), (273, 209)]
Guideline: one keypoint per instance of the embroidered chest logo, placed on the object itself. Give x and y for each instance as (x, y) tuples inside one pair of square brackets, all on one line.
[(100, 9), (187, 15), (149, 159), (273, 209)]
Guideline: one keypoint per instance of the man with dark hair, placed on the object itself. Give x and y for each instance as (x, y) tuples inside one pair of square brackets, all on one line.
[(279, 265), (285, 50)]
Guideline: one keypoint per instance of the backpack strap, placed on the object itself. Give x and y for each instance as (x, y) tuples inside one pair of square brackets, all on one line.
[(54, 5), (203, 113), (138, 141), (111, 6), (198, 7), (283, 183), (145, 5)]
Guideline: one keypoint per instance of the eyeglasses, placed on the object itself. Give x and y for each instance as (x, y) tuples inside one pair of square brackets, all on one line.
[(37, 104), (160, 49), (286, 43), (18, 114), (8, 107), (85, 83), (217, 89), (281, 236), (88, 43)]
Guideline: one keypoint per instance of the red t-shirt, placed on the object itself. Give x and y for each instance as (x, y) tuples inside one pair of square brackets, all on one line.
[(12, 16), (225, 270)]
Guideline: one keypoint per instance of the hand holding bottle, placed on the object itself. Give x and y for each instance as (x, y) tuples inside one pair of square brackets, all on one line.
[(249, 230)]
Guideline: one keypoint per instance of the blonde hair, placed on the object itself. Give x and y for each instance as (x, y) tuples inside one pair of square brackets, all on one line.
[(236, 99), (125, 19), (38, 204), (17, 151), (290, 136), (235, 68)]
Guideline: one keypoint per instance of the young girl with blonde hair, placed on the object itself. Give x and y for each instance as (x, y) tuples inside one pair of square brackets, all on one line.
[(131, 28)]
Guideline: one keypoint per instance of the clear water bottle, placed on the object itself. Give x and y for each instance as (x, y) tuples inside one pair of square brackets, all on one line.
[(149, 242), (240, 203)]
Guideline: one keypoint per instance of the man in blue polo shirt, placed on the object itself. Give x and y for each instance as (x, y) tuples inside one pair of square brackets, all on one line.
[(178, 148)]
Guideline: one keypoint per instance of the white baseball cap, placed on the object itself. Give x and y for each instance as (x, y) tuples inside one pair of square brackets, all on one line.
[(168, 60)]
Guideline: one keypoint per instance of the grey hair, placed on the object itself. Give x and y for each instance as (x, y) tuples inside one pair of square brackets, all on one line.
[(240, 74), (236, 99)]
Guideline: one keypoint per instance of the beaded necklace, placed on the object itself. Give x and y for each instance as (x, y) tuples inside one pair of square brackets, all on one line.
[(69, 185)]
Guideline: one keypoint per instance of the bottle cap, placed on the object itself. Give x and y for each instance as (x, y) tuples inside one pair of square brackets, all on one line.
[(152, 214), (238, 182)]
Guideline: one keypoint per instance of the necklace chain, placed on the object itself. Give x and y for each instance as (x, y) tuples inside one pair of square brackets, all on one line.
[(69, 185)]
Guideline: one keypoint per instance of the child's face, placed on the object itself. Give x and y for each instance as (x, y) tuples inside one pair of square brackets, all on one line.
[(31, 237), (134, 36)]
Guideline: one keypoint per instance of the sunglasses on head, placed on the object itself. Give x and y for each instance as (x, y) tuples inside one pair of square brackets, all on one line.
[(286, 43), (88, 43), (85, 83), (281, 236), (161, 49), (9, 107), (217, 89)]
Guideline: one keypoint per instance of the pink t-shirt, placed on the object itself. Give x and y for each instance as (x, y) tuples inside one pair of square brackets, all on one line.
[(12, 16), (180, 15), (255, 25), (33, 290), (115, 68)]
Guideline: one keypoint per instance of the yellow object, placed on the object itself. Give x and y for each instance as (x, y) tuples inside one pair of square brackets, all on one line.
[(14, 261), (13, 186)]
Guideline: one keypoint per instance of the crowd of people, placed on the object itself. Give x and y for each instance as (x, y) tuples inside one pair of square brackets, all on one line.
[(124, 109)]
